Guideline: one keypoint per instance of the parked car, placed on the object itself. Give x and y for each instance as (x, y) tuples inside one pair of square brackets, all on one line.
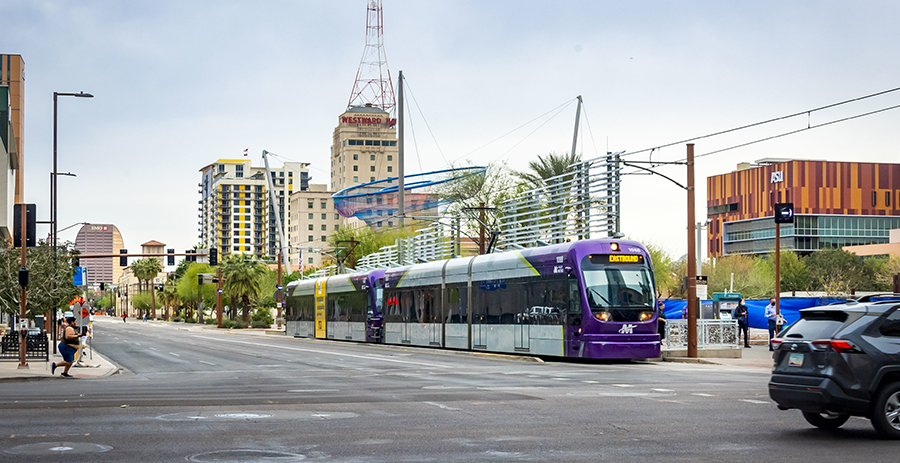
[(842, 360)]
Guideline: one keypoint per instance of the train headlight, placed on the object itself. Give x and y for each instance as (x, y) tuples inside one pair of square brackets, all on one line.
[(614, 246), (602, 316), (646, 316)]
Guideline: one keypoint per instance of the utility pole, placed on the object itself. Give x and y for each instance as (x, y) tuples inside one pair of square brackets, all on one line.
[(219, 293), (692, 264), (23, 281), (278, 294)]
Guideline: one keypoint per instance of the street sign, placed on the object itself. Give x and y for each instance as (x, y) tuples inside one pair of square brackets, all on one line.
[(79, 278), (784, 213), (702, 287)]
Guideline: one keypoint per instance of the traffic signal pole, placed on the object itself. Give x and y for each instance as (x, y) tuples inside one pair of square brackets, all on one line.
[(219, 295), (23, 316), (278, 300)]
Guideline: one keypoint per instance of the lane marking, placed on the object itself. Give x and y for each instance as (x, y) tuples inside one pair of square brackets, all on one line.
[(442, 406), (208, 363), (313, 390), (623, 385), (663, 390), (173, 353), (590, 382), (754, 401), (152, 348), (317, 351), (700, 394)]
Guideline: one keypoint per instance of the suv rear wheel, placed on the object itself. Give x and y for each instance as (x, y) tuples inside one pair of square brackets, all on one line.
[(826, 420), (886, 411)]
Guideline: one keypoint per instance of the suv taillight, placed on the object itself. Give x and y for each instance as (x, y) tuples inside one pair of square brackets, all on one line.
[(838, 345)]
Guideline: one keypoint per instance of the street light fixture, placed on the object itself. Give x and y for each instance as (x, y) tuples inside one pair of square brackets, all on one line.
[(53, 176)]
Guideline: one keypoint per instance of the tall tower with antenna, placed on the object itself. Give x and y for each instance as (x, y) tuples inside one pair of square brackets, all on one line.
[(373, 79)]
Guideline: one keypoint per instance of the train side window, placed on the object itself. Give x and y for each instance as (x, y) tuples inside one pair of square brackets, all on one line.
[(457, 301), (574, 317)]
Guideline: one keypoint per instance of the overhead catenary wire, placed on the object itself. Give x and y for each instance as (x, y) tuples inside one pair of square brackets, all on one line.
[(807, 112)]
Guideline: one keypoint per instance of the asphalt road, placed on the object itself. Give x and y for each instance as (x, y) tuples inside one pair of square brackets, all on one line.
[(206, 395)]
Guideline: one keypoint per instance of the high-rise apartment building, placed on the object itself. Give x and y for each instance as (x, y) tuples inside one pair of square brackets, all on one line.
[(364, 148), (236, 215), (12, 75)]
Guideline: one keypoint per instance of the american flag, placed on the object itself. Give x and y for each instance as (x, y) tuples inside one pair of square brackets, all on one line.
[(245, 151)]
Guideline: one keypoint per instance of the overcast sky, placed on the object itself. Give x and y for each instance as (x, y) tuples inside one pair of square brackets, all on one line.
[(180, 84)]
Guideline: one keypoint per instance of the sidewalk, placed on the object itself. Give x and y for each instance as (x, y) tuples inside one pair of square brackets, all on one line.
[(757, 356), (95, 367)]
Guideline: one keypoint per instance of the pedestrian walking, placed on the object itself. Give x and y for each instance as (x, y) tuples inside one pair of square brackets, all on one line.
[(740, 314), (124, 316), (771, 318), (71, 341)]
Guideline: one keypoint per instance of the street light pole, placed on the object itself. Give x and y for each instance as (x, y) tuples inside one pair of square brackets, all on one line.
[(53, 200)]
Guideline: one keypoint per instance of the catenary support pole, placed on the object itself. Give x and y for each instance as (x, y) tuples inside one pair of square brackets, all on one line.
[(692, 264)]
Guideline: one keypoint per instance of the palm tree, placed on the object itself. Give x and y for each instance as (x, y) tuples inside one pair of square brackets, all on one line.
[(146, 269), (167, 296), (243, 278), (548, 167)]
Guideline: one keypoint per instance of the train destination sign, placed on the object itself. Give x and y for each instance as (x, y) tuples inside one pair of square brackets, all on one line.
[(624, 259)]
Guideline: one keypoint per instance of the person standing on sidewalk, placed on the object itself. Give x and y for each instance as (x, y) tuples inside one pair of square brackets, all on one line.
[(123, 316), (740, 314), (770, 317), (71, 341)]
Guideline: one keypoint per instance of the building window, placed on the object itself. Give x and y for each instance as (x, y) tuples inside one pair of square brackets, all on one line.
[(874, 198), (355, 179), (371, 157), (324, 216), (390, 157), (310, 238), (390, 168), (324, 227), (221, 167), (310, 216), (310, 260), (238, 171), (371, 179), (335, 228), (337, 217), (371, 168), (324, 238), (355, 168), (309, 205), (310, 227), (324, 204), (887, 198)]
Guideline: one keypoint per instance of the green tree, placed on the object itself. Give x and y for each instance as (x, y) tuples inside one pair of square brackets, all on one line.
[(188, 289), (368, 240), (753, 276), (141, 302), (50, 281), (837, 272), (667, 282), (794, 273), (465, 195), (242, 278), (549, 166), (147, 269)]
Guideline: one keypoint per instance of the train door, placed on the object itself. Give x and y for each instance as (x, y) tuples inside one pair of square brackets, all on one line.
[(574, 318), (435, 316), (407, 312), (375, 318), (522, 334), (320, 309)]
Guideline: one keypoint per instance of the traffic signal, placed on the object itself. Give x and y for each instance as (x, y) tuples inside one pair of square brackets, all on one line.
[(199, 279), (213, 256), (76, 262), (102, 286), (171, 259), (30, 224), (123, 261)]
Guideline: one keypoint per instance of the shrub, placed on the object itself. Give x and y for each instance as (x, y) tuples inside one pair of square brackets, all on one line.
[(211, 321), (263, 316), (238, 324), (177, 319), (257, 323), (190, 320)]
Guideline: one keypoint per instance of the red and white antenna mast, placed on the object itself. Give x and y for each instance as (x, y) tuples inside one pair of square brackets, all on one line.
[(373, 79)]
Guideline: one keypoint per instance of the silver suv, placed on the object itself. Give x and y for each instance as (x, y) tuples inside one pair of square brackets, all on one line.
[(840, 361)]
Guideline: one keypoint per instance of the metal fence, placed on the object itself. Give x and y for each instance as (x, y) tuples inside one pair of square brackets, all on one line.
[(36, 346), (711, 334), (577, 205)]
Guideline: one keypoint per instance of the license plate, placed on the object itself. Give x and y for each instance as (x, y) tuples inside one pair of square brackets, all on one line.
[(795, 360)]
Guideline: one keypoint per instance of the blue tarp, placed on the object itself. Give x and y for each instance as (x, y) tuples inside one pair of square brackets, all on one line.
[(790, 308)]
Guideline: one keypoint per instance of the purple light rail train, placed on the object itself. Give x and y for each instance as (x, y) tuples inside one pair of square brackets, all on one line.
[(590, 298)]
